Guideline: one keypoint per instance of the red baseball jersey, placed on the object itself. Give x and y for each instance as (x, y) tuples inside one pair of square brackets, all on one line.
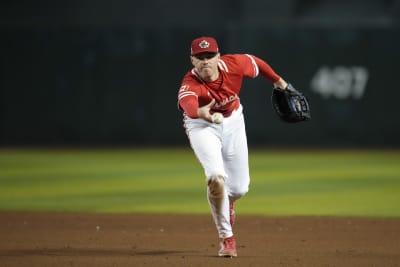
[(225, 90)]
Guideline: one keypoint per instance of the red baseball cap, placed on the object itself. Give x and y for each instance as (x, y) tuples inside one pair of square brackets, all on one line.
[(204, 44)]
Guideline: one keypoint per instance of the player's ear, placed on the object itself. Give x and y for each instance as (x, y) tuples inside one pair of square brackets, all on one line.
[(192, 60)]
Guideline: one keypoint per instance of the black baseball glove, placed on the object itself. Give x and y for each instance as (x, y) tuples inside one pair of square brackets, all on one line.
[(290, 105)]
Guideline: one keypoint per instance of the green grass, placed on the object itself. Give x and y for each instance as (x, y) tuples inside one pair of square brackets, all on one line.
[(315, 182)]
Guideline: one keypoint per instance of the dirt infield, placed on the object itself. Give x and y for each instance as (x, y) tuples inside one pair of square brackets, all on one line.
[(70, 239)]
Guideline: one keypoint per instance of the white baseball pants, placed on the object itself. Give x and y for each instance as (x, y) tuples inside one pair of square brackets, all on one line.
[(222, 151)]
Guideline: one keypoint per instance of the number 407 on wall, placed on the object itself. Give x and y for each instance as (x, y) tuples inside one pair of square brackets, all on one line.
[(340, 82)]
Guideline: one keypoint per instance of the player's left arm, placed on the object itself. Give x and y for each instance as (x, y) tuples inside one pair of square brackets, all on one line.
[(265, 70)]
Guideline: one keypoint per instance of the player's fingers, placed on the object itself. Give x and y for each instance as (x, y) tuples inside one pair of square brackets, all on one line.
[(204, 111)]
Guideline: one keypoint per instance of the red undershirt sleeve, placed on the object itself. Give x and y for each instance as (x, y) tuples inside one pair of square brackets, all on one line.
[(266, 70), (189, 104)]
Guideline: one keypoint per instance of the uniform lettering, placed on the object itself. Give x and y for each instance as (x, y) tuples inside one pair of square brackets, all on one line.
[(226, 101)]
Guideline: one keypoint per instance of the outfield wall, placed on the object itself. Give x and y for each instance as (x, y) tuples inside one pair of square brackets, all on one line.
[(95, 81)]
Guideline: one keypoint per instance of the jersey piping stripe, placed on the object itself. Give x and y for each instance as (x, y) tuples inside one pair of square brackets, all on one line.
[(185, 94), (222, 65), (255, 66), (197, 75)]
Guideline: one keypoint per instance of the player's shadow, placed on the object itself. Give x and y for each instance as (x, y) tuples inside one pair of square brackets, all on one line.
[(86, 252)]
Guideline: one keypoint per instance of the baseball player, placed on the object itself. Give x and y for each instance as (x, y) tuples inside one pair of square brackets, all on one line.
[(213, 86)]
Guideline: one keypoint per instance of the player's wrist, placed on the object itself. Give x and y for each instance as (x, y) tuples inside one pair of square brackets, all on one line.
[(281, 84)]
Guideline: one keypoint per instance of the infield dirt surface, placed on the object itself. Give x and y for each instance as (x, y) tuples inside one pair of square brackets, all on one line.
[(77, 239)]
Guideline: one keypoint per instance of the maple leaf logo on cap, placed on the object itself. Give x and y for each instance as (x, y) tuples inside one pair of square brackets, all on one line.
[(204, 44)]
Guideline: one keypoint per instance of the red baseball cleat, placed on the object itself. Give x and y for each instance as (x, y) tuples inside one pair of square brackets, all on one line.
[(227, 247)]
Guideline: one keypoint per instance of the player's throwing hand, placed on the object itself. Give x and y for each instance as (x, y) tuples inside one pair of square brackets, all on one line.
[(204, 111)]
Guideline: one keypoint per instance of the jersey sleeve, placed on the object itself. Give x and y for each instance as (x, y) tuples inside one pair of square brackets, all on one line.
[(253, 66), (266, 70), (188, 100)]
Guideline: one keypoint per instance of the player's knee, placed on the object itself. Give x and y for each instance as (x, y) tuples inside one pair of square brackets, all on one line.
[(238, 192), (216, 186)]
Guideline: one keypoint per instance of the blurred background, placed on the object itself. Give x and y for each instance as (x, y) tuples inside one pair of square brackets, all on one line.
[(77, 73)]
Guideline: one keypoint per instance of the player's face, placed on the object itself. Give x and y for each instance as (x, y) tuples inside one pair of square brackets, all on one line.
[(206, 65)]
